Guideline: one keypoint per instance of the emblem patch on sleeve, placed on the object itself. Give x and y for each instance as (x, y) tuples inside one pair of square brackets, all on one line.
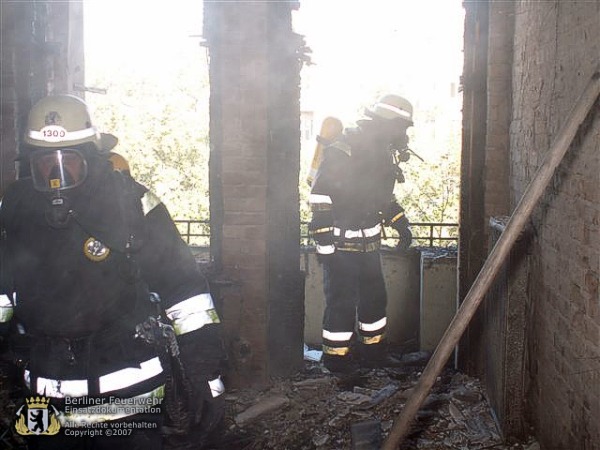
[(95, 250)]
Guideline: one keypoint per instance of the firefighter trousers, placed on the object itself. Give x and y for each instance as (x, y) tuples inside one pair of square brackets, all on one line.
[(354, 290)]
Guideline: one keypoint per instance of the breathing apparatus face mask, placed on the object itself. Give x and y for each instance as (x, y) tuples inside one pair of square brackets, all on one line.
[(53, 172), (398, 147)]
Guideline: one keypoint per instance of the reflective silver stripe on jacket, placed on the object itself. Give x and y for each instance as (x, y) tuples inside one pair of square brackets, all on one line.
[(149, 202), (130, 375), (116, 409), (216, 386), (110, 382), (193, 313), (319, 199), (326, 249), (57, 388), (6, 308), (355, 234), (320, 202)]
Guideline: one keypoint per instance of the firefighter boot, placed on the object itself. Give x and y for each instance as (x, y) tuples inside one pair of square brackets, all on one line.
[(340, 364), (374, 356)]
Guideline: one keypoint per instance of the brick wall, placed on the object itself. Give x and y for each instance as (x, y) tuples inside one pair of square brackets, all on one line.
[(239, 131), (254, 166), (557, 46), (19, 82), (42, 52), (485, 191), (499, 80)]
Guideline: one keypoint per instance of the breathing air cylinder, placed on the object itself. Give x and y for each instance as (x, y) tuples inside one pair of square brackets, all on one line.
[(331, 129)]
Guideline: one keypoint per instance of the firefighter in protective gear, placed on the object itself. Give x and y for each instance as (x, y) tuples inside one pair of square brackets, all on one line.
[(83, 247), (351, 200)]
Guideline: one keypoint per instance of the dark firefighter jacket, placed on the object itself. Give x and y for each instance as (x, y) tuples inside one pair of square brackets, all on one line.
[(352, 194), (77, 291)]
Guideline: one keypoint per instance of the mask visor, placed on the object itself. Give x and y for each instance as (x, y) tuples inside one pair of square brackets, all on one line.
[(57, 169)]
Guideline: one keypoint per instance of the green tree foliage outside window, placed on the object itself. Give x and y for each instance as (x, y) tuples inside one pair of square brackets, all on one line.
[(163, 133)]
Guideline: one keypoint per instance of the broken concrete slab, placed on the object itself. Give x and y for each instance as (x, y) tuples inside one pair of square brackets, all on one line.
[(265, 406)]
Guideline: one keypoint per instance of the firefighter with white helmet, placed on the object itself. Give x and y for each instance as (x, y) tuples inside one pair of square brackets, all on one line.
[(87, 252), (351, 200)]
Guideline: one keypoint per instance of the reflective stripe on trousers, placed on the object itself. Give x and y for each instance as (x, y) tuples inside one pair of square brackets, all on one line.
[(372, 333), (336, 343)]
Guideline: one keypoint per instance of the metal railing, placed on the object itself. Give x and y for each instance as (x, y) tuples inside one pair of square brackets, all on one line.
[(426, 234), (194, 232), (444, 234)]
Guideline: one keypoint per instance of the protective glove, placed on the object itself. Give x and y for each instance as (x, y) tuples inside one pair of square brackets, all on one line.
[(404, 234), (209, 412), (202, 354), (206, 416), (404, 239)]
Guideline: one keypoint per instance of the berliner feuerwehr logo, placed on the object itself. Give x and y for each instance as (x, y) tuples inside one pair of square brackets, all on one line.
[(37, 416)]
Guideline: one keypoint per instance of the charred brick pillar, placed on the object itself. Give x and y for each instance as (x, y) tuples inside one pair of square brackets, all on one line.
[(472, 249), (42, 52), (24, 75), (254, 168)]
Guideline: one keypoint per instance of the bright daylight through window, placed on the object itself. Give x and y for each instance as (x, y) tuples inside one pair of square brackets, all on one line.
[(148, 84)]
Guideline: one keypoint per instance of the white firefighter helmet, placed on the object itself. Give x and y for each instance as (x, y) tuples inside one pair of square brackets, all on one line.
[(60, 121), (391, 107)]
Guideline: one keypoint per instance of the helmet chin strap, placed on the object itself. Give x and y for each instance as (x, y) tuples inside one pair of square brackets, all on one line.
[(59, 211)]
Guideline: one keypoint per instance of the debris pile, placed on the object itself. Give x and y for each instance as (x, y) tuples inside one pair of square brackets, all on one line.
[(319, 410)]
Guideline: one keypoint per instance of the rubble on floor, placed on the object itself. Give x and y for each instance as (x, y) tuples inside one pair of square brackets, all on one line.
[(319, 410)]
